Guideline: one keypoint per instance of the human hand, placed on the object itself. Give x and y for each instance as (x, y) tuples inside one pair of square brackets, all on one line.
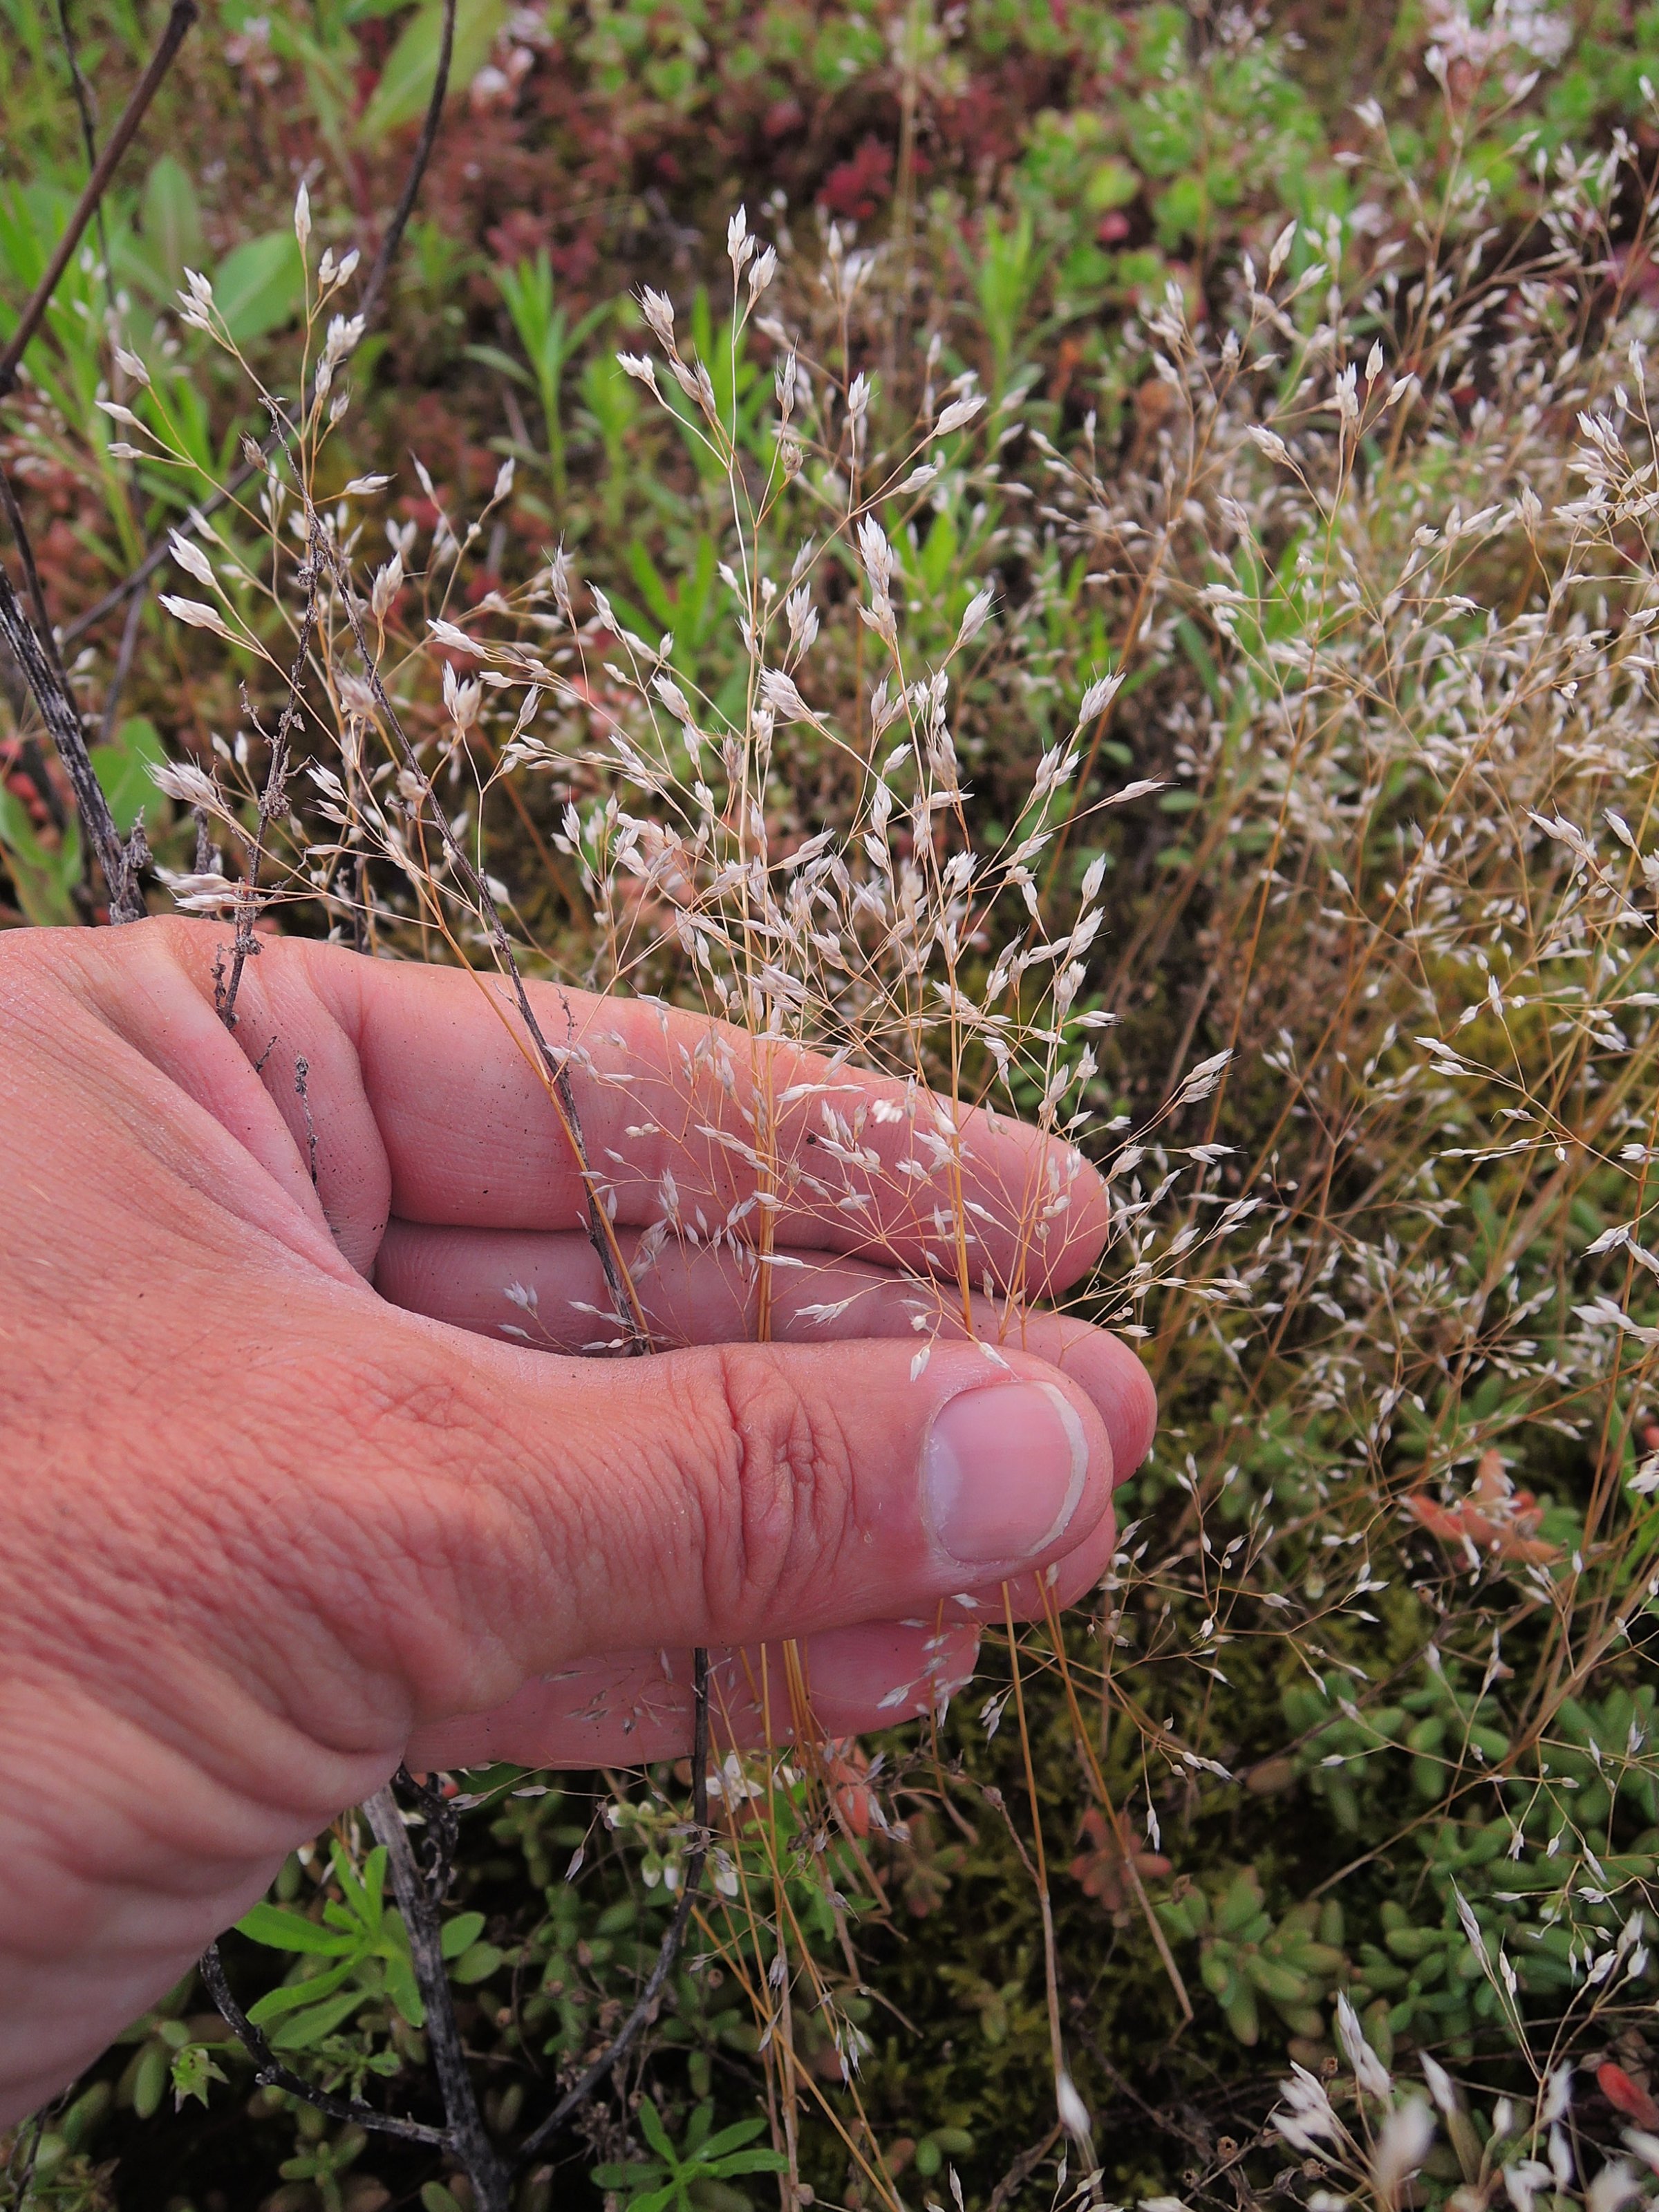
[(284, 1507)]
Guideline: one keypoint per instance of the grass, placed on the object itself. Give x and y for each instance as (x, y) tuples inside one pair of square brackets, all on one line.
[(1282, 825)]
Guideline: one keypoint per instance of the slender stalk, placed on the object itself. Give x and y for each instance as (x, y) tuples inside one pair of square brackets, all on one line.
[(554, 1066), (273, 798), (85, 108), (375, 284), (123, 669)]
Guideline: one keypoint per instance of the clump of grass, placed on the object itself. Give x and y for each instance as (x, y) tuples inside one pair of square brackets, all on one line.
[(1251, 780)]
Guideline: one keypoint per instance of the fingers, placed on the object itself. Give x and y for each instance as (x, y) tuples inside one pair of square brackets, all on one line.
[(422, 1090), (470, 1515), (623, 1712), (859, 1163), (699, 1295)]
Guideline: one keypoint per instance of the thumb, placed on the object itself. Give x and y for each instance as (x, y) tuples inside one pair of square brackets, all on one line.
[(564, 1508)]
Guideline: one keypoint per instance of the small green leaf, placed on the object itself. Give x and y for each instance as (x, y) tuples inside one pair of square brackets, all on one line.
[(124, 769), (740, 2131), (406, 81), (656, 2200), (476, 1963), (461, 1933), (292, 1931), (259, 285), (357, 1900), (374, 1886), (652, 2128), (149, 2082), (306, 2029), (171, 220), (402, 1989), (43, 879), (276, 2003), (761, 2161)]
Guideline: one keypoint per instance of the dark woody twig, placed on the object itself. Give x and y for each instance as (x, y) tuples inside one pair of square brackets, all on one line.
[(374, 285), (273, 2074), (19, 535), (464, 2134), (121, 863), (443, 1829)]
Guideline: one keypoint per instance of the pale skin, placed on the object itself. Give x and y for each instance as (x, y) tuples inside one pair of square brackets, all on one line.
[(284, 1506)]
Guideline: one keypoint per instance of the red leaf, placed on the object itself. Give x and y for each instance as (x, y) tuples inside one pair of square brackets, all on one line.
[(1627, 2096)]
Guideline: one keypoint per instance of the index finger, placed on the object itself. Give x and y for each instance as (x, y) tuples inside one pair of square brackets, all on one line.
[(697, 1122)]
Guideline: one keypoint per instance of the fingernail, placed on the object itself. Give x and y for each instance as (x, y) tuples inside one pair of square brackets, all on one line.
[(1003, 1471)]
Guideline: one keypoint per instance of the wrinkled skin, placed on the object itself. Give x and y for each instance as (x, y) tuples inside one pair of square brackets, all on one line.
[(285, 1506)]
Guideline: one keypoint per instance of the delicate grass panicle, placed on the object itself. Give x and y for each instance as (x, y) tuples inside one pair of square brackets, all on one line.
[(1252, 783)]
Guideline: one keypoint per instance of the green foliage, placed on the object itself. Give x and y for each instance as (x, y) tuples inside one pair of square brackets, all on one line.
[(404, 85), (364, 1941), (679, 2177), (550, 342)]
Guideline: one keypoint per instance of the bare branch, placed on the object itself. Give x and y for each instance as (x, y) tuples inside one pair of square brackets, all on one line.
[(271, 2074), (20, 538), (121, 863), (464, 2134)]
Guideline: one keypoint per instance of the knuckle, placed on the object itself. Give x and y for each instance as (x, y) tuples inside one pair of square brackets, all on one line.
[(779, 1492)]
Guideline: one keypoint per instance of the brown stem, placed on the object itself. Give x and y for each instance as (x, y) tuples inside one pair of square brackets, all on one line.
[(435, 107), (32, 583)]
